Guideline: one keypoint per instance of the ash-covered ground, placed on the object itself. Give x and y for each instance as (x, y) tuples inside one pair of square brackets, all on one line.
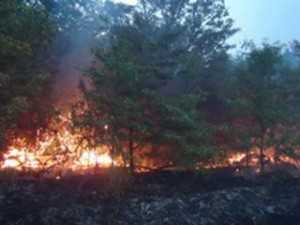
[(163, 198)]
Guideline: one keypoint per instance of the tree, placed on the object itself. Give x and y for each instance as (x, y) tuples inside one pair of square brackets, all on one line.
[(35, 35), (138, 114), (296, 48), (145, 91), (263, 107), (25, 37)]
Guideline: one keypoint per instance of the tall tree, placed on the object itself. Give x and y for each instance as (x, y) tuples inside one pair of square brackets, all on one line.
[(145, 91), (34, 36), (264, 101), (25, 38)]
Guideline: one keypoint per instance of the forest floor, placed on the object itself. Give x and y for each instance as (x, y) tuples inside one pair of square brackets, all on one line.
[(161, 198)]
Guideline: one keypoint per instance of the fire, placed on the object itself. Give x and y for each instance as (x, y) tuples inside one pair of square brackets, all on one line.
[(62, 149), (16, 158), (271, 160), (19, 159), (93, 159), (236, 158)]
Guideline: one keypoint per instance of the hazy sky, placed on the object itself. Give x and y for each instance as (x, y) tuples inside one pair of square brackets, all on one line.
[(266, 19), (272, 20)]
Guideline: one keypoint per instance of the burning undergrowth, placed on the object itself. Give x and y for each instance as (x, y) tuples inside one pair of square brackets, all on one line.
[(248, 164), (60, 147), (66, 149)]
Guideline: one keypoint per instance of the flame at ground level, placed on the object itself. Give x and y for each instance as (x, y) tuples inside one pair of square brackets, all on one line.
[(65, 149), (59, 148), (88, 159), (20, 159), (252, 159)]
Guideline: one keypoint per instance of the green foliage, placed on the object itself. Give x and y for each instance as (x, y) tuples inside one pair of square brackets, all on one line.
[(166, 81), (138, 91), (263, 100), (34, 36), (25, 37)]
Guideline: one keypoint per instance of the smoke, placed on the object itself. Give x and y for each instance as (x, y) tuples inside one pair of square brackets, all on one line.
[(80, 28), (74, 57), (70, 69)]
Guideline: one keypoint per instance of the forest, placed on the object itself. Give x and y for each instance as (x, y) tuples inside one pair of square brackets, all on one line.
[(144, 114)]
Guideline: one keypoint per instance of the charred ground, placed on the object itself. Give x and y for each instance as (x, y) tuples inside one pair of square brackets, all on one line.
[(215, 197)]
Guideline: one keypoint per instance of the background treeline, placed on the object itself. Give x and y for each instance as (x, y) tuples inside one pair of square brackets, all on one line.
[(167, 85)]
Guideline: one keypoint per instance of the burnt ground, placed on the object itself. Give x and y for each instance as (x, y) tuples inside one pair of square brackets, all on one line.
[(160, 198)]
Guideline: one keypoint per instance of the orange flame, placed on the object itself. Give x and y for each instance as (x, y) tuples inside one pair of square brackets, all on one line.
[(67, 150), (63, 149)]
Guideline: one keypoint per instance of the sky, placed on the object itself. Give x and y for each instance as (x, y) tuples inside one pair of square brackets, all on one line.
[(271, 20), (259, 20)]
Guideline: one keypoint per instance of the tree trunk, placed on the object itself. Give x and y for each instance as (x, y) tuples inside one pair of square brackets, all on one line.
[(247, 157), (261, 159), (112, 157), (131, 153), (262, 147), (131, 160), (262, 156)]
